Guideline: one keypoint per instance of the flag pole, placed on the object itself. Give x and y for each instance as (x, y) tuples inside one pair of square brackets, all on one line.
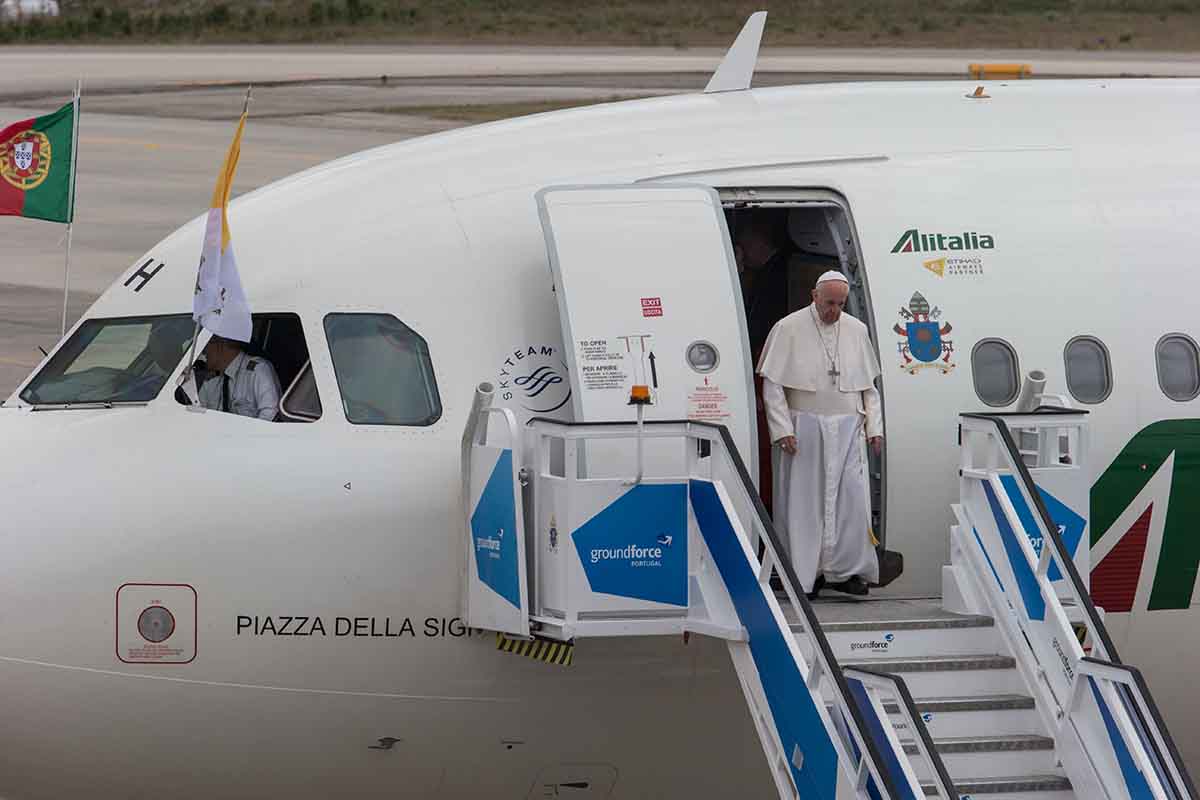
[(190, 368), (71, 200)]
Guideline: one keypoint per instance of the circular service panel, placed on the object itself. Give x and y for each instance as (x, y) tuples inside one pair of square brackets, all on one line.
[(156, 624), (703, 356)]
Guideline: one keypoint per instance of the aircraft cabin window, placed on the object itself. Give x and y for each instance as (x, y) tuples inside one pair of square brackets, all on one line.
[(1089, 370), (120, 360), (383, 370), (1178, 361), (995, 372)]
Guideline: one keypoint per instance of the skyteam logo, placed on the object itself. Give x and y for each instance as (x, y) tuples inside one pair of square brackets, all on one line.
[(535, 377), (914, 241)]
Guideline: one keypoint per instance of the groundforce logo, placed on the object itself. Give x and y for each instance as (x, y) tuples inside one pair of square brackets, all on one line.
[(635, 555), (874, 645), (25, 159), (913, 241)]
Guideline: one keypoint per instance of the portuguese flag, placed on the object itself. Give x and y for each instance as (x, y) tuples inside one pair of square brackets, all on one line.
[(36, 165)]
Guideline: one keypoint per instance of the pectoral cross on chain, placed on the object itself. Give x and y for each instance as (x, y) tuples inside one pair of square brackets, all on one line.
[(833, 374)]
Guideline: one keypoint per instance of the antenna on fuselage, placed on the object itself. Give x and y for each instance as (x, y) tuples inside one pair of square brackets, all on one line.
[(737, 68)]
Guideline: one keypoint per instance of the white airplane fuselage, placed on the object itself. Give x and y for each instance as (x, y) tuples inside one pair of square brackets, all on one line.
[(324, 559)]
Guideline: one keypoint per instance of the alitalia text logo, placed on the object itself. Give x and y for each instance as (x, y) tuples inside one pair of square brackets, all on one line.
[(914, 241)]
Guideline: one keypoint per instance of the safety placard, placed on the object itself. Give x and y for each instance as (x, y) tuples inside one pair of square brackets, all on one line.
[(602, 365), (156, 623), (708, 403)]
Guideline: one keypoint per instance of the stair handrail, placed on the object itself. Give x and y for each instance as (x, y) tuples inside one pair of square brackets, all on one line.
[(1168, 762), (1110, 668), (825, 662), (1048, 528), (823, 652), (898, 689), (474, 432)]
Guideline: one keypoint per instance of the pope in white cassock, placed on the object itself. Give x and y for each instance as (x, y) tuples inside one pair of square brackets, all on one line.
[(819, 371)]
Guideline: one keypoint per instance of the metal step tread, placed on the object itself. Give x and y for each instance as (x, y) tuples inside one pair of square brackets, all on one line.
[(987, 744), (944, 705), (934, 623), (934, 663), (845, 615), (1018, 783)]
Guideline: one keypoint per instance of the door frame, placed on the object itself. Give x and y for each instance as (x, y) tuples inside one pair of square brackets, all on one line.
[(739, 197)]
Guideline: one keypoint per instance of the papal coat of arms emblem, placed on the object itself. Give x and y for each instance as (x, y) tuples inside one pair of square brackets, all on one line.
[(25, 159), (923, 344)]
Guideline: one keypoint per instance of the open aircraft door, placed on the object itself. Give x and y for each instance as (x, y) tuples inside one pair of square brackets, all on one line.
[(648, 294)]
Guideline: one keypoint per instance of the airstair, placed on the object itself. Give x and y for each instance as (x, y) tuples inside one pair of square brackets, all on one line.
[(1007, 688)]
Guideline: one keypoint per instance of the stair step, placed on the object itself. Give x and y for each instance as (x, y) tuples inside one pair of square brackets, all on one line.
[(968, 758), (995, 702), (947, 717), (938, 676), (858, 642), (1018, 786), (929, 623), (990, 744), (935, 663)]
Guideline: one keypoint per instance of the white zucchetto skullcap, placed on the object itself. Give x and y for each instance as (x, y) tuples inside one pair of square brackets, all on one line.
[(833, 275)]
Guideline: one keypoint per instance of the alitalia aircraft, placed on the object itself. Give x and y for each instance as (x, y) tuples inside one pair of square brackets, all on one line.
[(200, 604)]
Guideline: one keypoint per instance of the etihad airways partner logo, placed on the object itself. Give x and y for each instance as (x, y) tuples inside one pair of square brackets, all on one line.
[(913, 241)]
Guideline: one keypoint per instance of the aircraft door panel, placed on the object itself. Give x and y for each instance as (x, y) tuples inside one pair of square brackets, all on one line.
[(648, 295)]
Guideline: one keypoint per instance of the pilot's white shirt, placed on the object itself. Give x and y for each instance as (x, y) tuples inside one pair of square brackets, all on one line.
[(253, 388)]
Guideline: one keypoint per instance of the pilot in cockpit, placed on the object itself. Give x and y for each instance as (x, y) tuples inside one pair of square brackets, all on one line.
[(239, 383)]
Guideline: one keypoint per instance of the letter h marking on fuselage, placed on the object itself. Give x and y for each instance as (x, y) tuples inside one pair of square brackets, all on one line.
[(144, 275)]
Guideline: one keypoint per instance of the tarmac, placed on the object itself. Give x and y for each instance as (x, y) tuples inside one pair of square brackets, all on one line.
[(156, 121)]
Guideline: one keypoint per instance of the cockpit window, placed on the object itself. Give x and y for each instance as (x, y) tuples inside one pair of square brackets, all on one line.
[(383, 370), (123, 360)]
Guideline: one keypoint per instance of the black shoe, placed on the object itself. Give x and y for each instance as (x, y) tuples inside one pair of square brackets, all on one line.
[(853, 585), (818, 584)]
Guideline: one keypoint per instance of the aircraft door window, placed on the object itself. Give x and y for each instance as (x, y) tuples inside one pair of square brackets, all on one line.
[(119, 360), (1089, 369), (383, 370), (995, 372), (1178, 361)]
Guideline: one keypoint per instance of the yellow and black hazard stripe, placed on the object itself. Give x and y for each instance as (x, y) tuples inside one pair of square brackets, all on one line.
[(551, 652)]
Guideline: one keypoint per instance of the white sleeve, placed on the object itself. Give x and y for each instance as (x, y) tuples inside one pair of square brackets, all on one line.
[(266, 391), (779, 418), (209, 396), (874, 412)]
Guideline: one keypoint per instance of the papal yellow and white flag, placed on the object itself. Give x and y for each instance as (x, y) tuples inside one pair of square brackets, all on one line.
[(220, 302)]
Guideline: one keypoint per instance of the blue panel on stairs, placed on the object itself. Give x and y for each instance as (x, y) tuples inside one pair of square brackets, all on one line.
[(1031, 592), (1070, 525), (637, 546), (494, 533), (872, 787), (983, 550), (1135, 782), (797, 721), (891, 759)]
